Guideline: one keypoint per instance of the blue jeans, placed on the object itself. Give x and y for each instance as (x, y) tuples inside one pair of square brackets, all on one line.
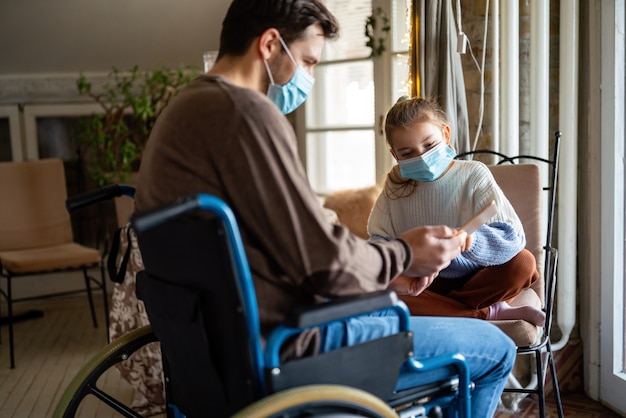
[(489, 352)]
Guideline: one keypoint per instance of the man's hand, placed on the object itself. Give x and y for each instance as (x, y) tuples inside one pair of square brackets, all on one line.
[(412, 286), (434, 247)]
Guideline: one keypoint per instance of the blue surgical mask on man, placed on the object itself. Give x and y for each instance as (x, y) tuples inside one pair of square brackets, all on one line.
[(295, 92), (428, 166)]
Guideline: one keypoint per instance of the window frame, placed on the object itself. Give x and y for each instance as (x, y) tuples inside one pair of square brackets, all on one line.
[(383, 99)]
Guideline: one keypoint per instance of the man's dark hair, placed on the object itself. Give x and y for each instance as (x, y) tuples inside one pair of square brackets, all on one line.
[(247, 19)]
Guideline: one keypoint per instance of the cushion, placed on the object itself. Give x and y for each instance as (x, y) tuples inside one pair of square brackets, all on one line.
[(42, 259)]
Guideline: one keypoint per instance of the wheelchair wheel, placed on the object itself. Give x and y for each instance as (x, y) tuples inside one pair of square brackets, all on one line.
[(318, 401), (86, 380)]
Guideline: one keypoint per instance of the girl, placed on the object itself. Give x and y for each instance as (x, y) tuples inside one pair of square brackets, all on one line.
[(429, 187)]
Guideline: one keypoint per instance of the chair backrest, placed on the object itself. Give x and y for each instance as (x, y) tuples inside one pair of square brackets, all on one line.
[(32, 212), (353, 207), (521, 184), (533, 195), (194, 306)]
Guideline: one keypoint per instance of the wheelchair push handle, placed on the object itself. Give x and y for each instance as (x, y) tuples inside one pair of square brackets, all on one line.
[(149, 220), (95, 196), (186, 205)]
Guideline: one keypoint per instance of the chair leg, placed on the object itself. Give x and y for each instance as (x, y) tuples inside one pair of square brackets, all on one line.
[(10, 320), (105, 297), (89, 296), (555, 382), (541, 393)]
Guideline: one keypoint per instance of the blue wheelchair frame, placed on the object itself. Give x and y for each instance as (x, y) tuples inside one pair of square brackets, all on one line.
[(453, 393), (269, 359)]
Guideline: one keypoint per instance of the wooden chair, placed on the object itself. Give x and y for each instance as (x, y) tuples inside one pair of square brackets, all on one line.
[(521, 180), (36, 233)]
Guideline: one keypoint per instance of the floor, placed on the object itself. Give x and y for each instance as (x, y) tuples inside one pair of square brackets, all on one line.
[(49, 351), (52, 348), (570, 376)]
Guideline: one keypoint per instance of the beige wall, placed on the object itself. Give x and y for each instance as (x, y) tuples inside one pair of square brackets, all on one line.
[(69, 36)]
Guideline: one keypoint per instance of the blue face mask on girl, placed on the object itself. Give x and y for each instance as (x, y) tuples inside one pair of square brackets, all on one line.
[(295, 92), (428, 166)]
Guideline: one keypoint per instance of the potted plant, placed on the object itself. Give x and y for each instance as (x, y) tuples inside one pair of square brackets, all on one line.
[(111, 143)]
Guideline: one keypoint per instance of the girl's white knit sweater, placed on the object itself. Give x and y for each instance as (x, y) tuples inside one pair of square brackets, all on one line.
[(463, 190)]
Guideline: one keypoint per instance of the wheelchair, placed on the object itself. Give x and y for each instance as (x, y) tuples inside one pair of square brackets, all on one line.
[(199, 295)]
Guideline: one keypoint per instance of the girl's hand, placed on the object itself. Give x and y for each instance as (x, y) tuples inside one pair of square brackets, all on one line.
[(468, 242)]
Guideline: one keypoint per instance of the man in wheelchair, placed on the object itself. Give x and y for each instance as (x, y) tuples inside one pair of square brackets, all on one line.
[(225, 135)]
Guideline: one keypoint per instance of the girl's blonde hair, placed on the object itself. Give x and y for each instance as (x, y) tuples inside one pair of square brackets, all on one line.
[(408, 110), (403, 114)]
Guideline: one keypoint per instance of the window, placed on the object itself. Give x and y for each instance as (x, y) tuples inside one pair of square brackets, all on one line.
[(10, 142), (342, 146), (48, 129)]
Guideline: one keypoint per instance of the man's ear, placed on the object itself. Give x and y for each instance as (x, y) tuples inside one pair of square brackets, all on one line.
[(268, 43)]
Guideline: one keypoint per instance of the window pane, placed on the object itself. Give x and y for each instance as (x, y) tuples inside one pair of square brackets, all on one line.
[(343, 94), (400, 76), (338, 160), (400, 27), (55, 137), (351, 15)]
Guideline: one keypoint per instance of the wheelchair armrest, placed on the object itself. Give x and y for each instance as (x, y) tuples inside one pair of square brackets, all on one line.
[(334, 310), (340, 308)]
